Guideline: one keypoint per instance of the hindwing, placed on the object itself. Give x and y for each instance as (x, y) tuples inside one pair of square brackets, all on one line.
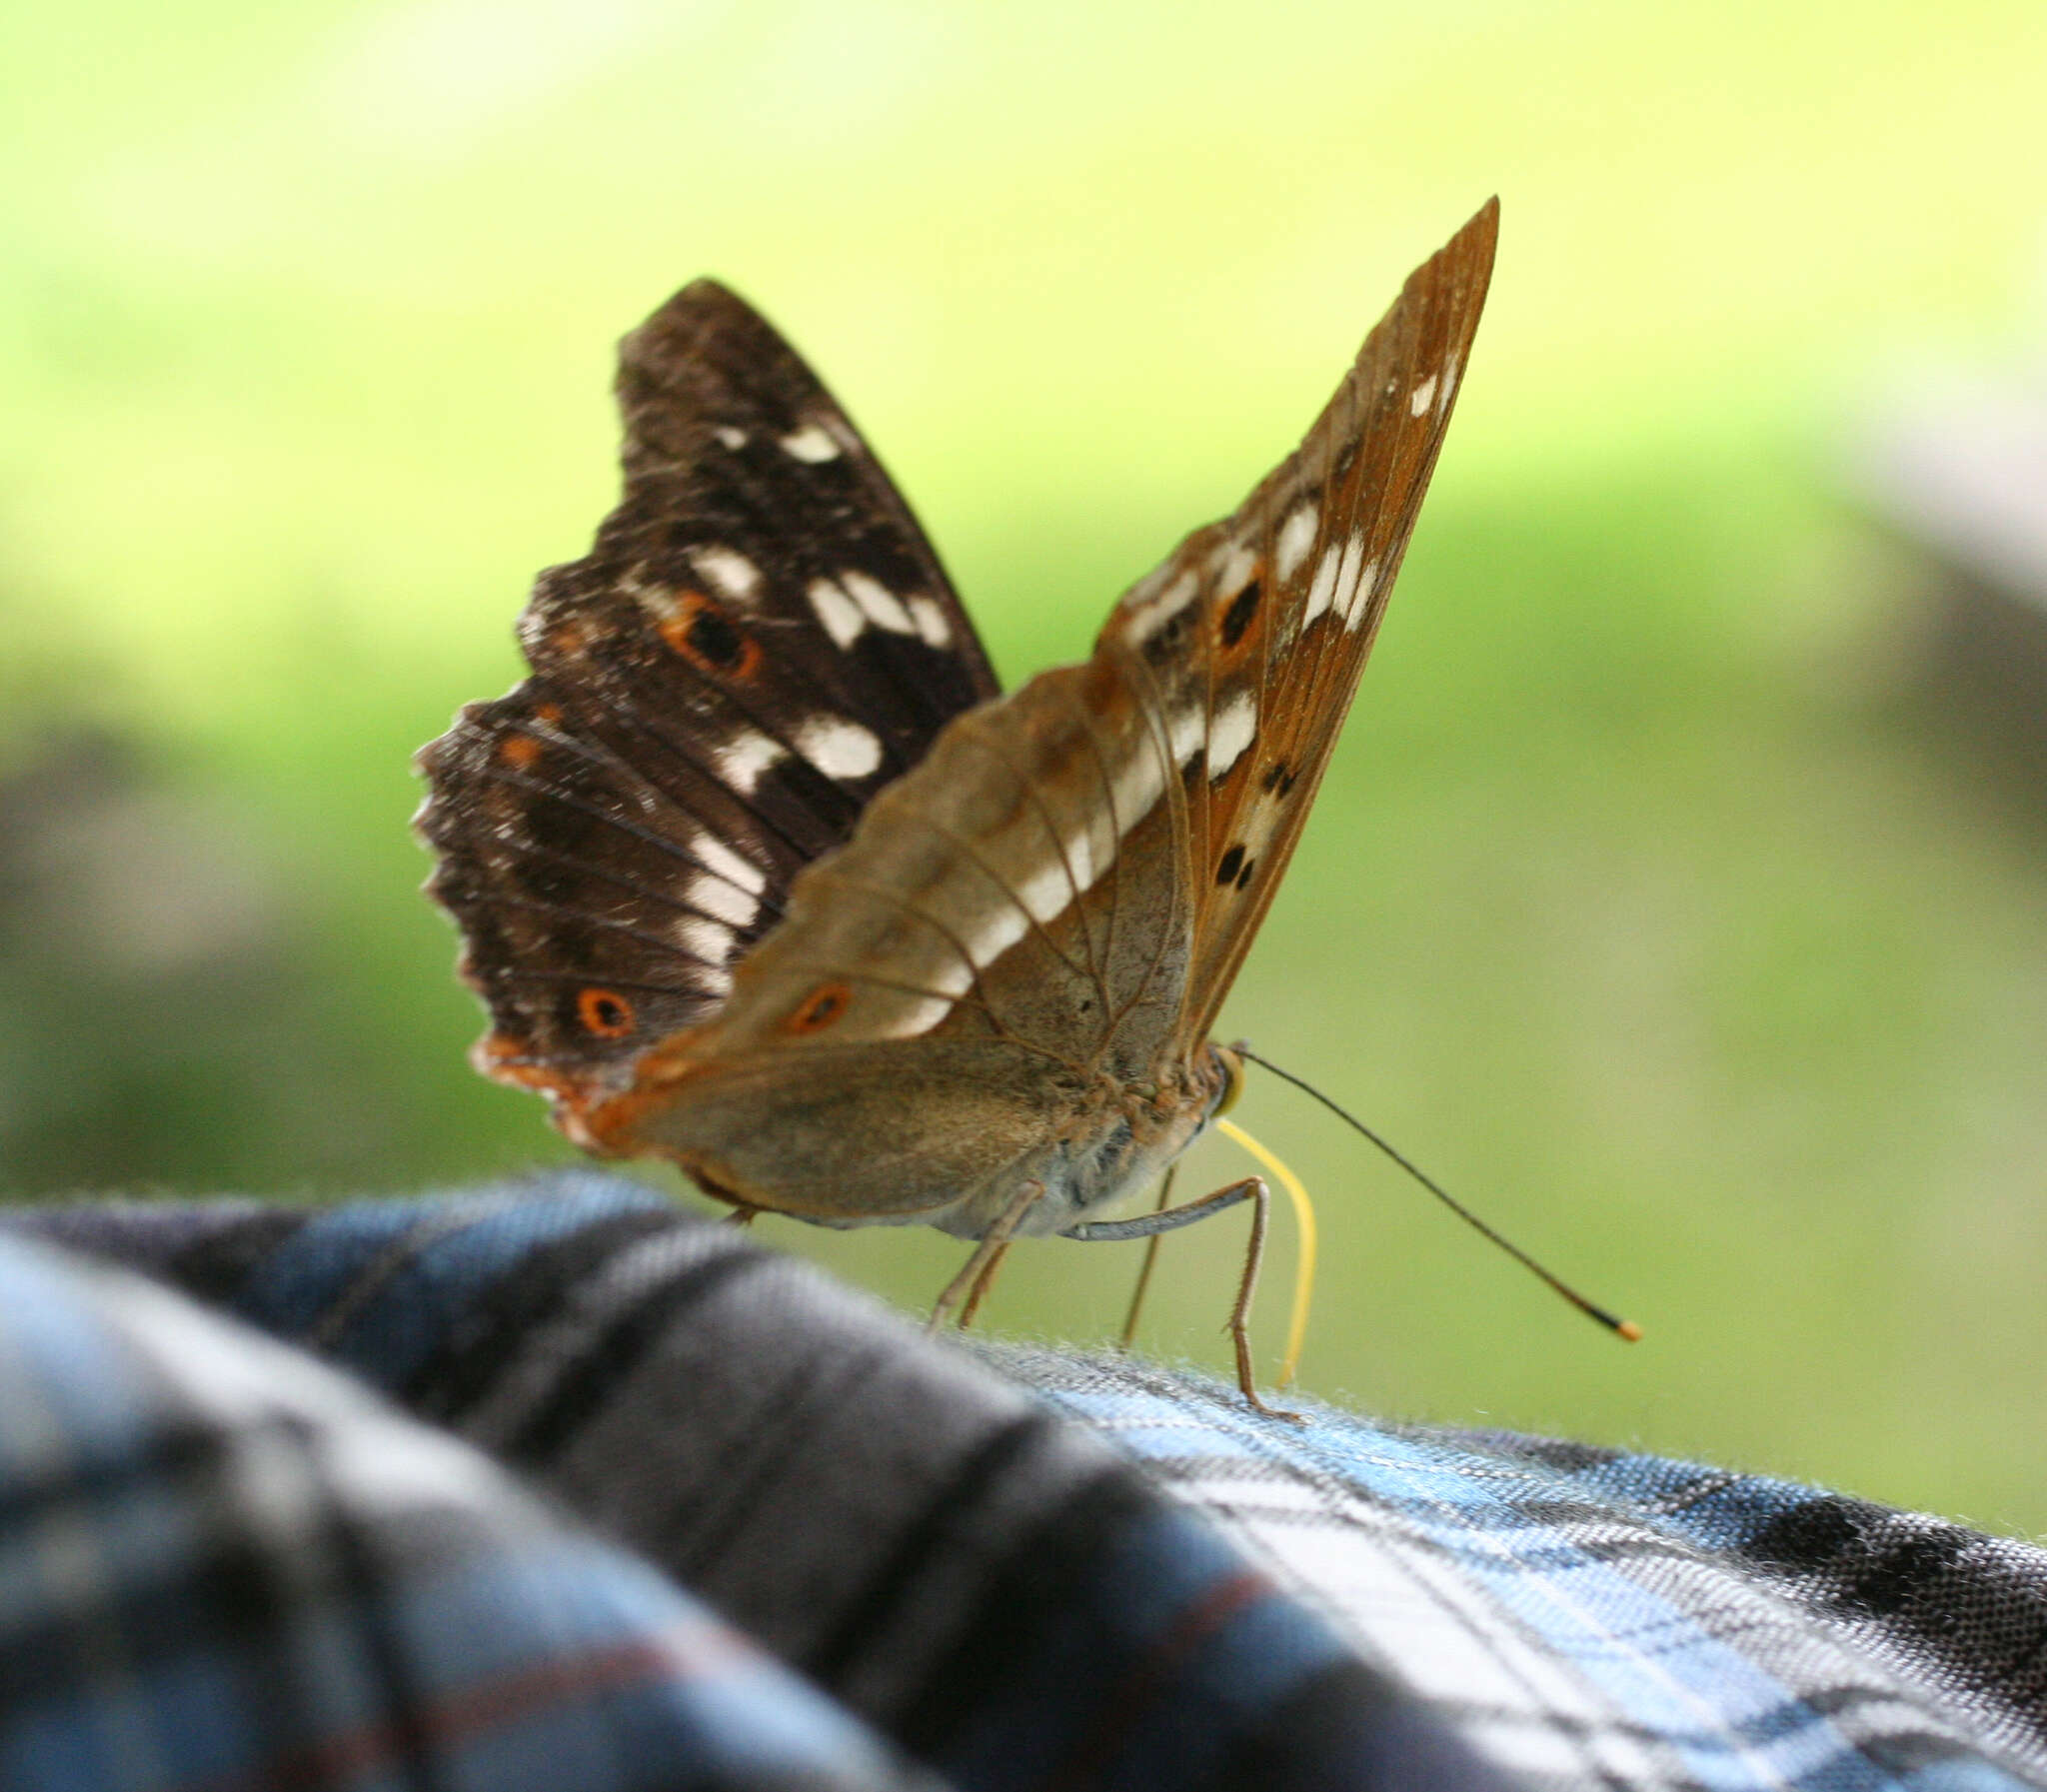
[(760, 638)]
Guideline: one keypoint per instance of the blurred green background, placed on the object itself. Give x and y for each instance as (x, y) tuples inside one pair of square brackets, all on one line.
[(1653, 901)]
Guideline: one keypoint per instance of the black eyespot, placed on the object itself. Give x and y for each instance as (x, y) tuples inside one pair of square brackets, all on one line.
[(1231, 863), (1243, 876), (1279, 781), (716, 640), (706, 637), (1237, 617)]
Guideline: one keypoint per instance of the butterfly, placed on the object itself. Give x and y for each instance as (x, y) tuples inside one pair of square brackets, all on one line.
[(761, 872)]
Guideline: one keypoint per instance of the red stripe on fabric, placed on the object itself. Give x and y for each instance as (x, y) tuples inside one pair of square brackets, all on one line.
[(689, 1649), (1126, 1703)]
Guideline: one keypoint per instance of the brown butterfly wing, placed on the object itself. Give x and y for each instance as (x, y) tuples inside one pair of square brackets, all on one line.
[(1038, 912), (1020, 886), (1002, 945), (760, 638), (1250, 642)]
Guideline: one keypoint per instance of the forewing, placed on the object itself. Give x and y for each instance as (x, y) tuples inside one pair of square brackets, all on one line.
[(1248, 642), (759, 641), (1075, 870)]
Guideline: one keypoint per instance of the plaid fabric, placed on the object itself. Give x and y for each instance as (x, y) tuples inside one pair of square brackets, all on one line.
[(1021, 1568), (1590, 1616), (223, 1567)]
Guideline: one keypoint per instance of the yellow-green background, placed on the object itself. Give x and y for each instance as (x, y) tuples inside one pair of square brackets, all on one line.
[(1646, 903)]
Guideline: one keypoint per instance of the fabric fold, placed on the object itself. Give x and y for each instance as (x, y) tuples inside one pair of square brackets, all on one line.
[(1035, 1569)]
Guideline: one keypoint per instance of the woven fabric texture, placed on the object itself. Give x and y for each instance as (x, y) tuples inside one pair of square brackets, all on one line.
[(627, 1502)]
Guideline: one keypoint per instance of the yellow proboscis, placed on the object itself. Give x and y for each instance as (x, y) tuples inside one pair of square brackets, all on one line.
[(1304, 1263)]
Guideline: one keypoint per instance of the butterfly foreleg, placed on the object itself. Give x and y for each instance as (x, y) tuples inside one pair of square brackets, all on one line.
[(981, 1267), (1168, 1219)]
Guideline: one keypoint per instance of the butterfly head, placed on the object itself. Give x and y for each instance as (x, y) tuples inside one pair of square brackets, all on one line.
[(1230, 1060)]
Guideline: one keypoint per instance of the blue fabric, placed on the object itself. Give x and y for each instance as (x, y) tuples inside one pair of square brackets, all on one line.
[(658, 1459), (1602, 1613), (223, 1566)]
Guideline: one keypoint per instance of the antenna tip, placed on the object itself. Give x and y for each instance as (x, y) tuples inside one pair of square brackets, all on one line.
[(1629, 1331)]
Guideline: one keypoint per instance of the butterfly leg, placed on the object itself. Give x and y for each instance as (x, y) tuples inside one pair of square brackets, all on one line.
[(1169, 1219), (982, 1283), (1152, 1245), (995, 1243), (1239, 1326)]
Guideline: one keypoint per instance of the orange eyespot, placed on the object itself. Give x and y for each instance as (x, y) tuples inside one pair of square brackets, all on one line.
[(820, 1009), (548, 712), (571, 639), (605, 1012), (519, 752), (708, 639)]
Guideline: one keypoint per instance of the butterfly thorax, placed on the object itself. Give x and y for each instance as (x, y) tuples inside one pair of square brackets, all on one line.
[(1117, 1147)]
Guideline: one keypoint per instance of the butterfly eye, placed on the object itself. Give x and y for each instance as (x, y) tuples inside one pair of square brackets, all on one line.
[(708, 639), (605, 1012), (1232, 1080), (820, 1009)]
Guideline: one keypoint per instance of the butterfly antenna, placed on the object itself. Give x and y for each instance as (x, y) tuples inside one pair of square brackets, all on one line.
[(1626, 1328)]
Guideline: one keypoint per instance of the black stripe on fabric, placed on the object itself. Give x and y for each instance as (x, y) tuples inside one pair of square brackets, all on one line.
[(1054, 1571), (214, 1590), (1939, 1587), (949, 1518), (463, 1366), (1350, 1727), (222, 1597), (1553, 1452), (1867, 1572), (215, 1268), (712, 1526), (230, 1596), (588, 1382), (366, 1587)]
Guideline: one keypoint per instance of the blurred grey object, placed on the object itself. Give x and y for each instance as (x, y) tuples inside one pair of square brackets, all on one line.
[(1955, 465), (161, 1019)]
